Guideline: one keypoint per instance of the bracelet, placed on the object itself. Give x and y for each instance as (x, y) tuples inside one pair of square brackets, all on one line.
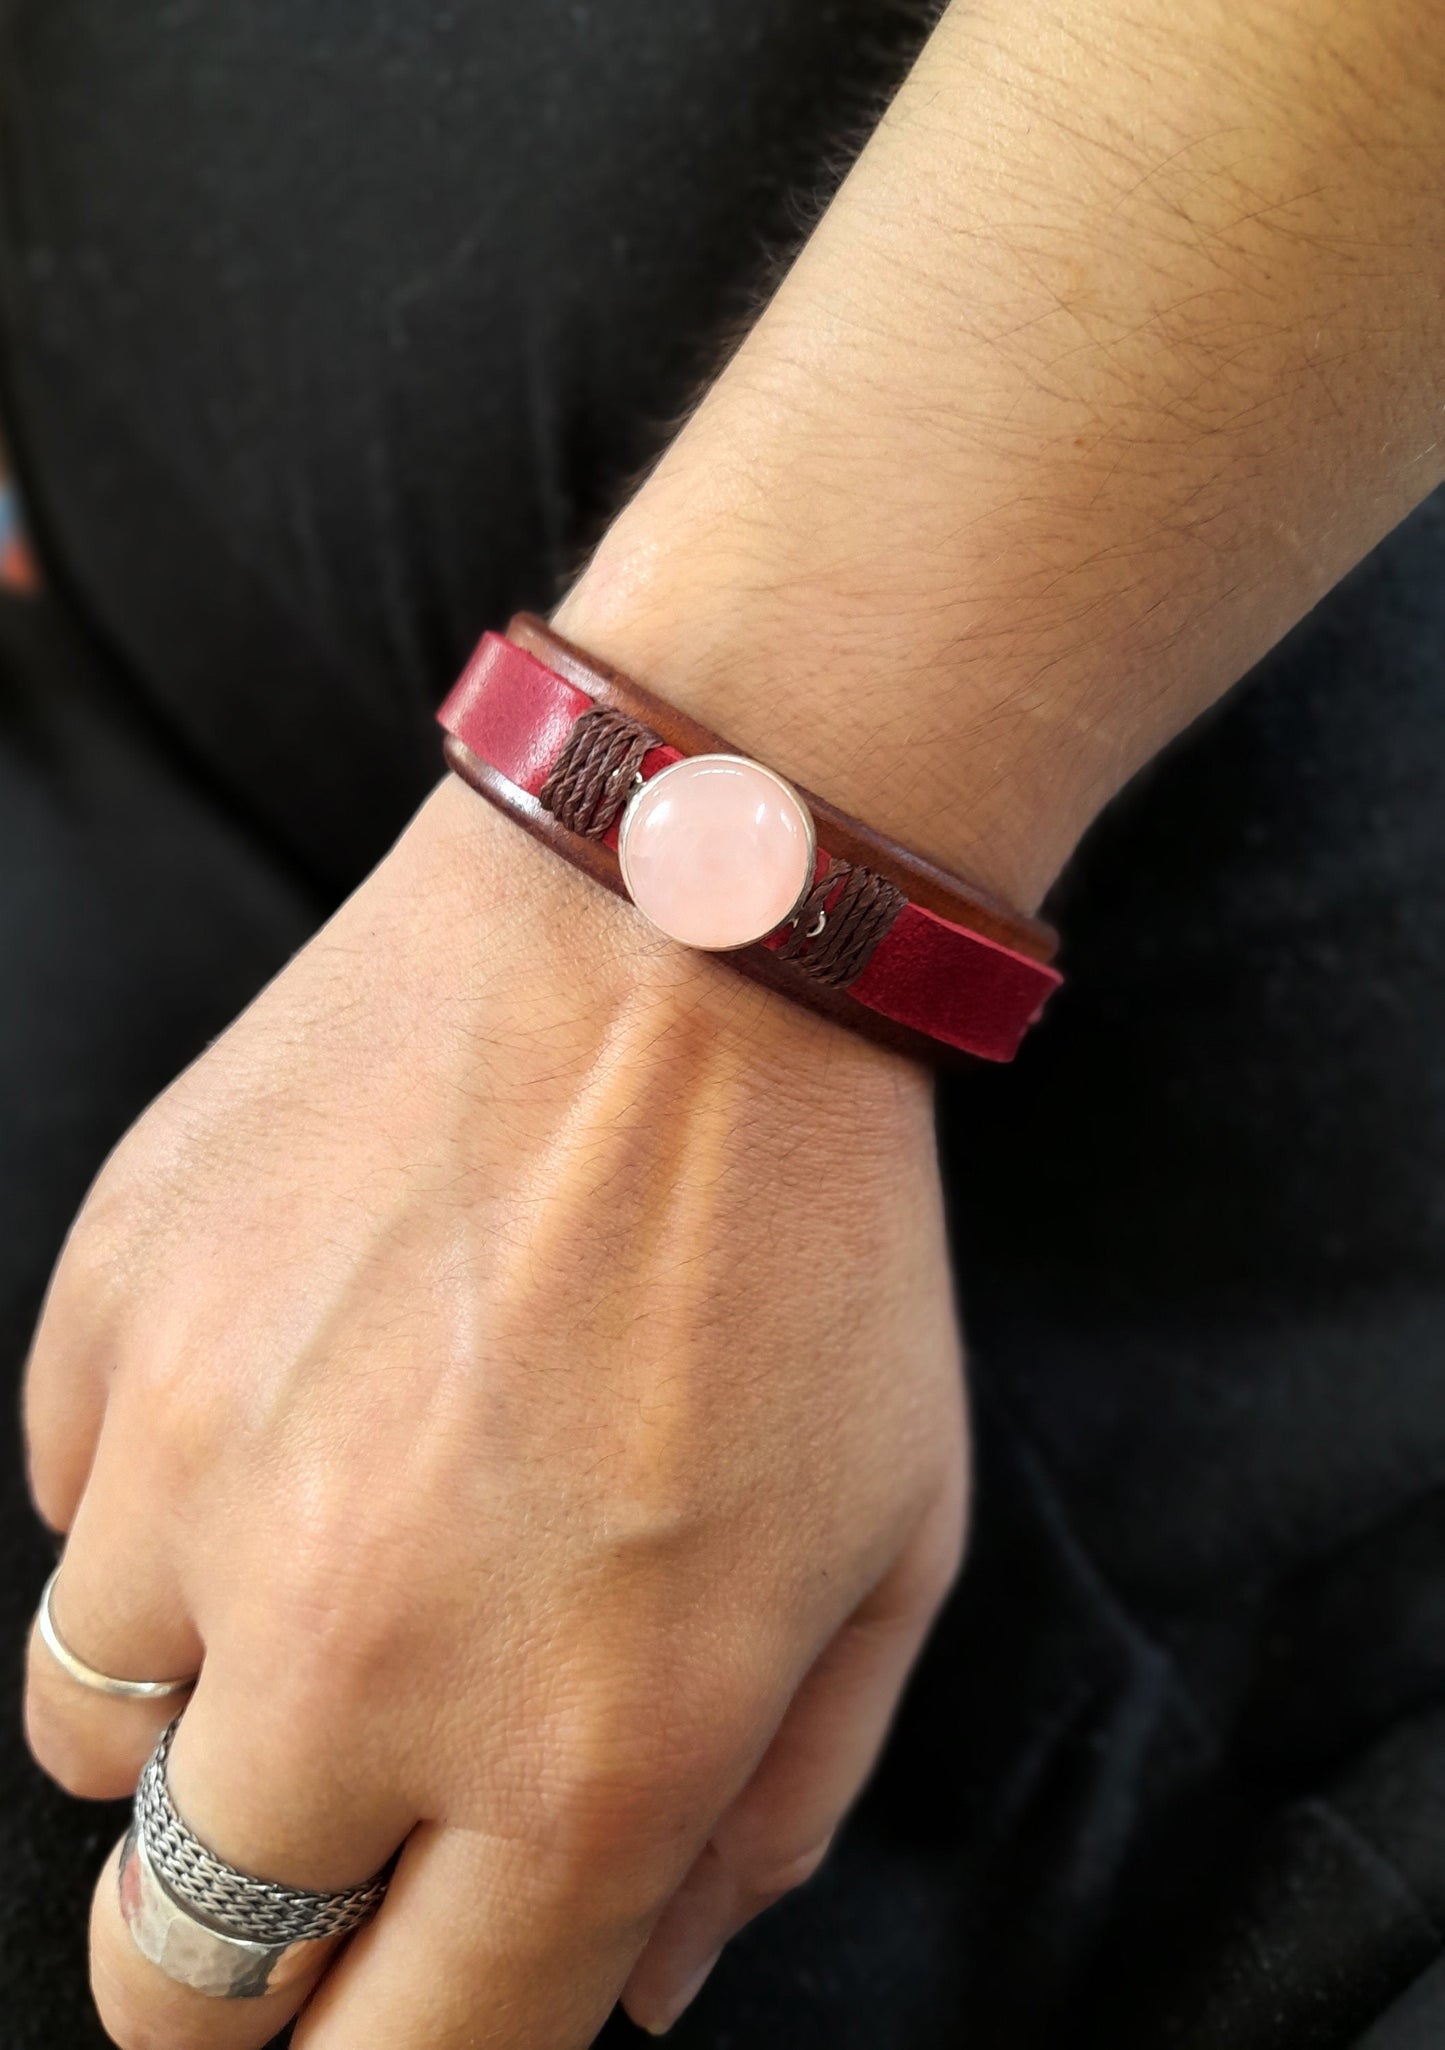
[(723, 854)]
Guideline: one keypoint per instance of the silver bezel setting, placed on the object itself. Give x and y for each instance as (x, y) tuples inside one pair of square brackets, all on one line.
[(687, 761)]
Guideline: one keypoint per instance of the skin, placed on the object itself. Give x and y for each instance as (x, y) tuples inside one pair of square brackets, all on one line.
[(517, 1365)]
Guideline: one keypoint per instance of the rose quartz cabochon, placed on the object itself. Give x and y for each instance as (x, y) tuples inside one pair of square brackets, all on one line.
[(716, 851)]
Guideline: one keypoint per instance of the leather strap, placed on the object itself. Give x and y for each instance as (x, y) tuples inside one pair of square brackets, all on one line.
[(954, 970)]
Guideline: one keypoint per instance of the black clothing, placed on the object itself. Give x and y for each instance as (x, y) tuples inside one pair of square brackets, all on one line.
[(327, 337)]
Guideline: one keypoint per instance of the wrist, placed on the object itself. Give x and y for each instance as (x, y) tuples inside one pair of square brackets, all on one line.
[(865, 699), (516, 942), (1016, 474)]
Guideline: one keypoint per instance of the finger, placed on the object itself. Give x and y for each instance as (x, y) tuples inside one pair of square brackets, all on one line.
[(279, 1786), (117, 1607), (776, 1834), (487, 1943)]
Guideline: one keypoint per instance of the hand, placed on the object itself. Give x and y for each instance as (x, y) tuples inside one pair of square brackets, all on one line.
[(517, 1367)]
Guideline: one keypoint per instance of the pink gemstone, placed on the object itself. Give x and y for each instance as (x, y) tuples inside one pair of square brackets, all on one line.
[(717, 851)]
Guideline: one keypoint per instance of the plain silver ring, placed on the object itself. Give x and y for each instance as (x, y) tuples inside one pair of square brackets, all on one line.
[(87, 1676)]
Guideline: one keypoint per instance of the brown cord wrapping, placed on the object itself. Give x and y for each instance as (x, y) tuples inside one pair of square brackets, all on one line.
[(840, 922), (842, 918), (593, 777)]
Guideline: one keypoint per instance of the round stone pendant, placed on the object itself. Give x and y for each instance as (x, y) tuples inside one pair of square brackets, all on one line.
[(717, 851)]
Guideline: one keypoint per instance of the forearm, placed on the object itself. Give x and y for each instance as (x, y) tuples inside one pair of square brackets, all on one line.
[(1120, 344)]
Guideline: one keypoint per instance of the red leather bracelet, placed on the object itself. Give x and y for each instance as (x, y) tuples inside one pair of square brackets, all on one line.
[(723, 853)]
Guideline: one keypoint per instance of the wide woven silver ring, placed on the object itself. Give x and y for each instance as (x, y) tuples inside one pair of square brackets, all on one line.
[(211, 1927), (87, 1676)]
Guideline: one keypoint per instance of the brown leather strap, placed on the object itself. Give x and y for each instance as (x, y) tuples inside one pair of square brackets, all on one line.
[(848, 839)]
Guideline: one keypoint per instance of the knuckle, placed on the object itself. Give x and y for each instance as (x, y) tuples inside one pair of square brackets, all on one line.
[(631, 1778), (945, 1560), (935, 1581), (634, 1778), (52, 1486), (174, 1404), (330, 1637), (768, 1853), (173, 1429), (79, 1308), (774, 1872), (90, 1269), (64, 1756), (622, 1791), (96, 1270)]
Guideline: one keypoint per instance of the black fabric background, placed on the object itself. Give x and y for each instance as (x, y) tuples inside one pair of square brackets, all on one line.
[(329, 335)]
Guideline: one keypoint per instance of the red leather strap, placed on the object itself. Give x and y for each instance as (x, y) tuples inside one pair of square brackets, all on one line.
[(513, 712), (931, 982)]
